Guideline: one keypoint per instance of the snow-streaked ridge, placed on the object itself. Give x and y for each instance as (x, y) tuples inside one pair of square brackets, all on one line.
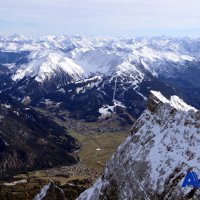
[(174, 101), (43, 65), (153, 161), (43, 192), (179, 104), (108, 55)]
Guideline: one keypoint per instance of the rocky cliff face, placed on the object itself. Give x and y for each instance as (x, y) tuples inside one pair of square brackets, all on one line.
[(153, 161)]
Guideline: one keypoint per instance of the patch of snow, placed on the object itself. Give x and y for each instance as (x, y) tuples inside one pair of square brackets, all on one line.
[(61, 90), (16, 182), (79, 89), (8, 106), (106, 110), (160, 97), (90, 194), (48, 102), (26, 100), (94, 78), (179, 104), (43, 192), (118, 103), (17, 113)]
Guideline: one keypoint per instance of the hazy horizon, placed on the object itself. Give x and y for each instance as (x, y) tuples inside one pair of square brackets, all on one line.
[(128, 18), (32, 36)]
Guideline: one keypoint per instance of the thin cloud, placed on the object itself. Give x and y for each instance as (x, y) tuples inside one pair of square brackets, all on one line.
[(114, 17)]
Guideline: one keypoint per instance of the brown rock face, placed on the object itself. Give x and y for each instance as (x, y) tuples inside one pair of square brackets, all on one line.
[(153, 102)]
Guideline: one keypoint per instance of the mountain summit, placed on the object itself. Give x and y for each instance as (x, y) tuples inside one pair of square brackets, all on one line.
[(44, 65), (153, 161)]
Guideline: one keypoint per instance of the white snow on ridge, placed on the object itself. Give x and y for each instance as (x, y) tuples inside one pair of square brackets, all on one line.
[(159, 96), (94, 78), (8, 106), (174, 101), (105, 55), (179, 104), (61, 90), (163, 147), (107, 110), (96, 61), (43, 192), (118, 103), (90, 194), (46, 64)]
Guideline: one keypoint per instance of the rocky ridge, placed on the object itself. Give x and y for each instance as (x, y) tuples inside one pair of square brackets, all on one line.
[(153, 161)]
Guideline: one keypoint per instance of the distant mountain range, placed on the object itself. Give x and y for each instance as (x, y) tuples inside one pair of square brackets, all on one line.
[(91, 76)]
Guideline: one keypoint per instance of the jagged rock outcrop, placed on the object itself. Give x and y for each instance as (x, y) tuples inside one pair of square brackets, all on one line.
[(153, 161)]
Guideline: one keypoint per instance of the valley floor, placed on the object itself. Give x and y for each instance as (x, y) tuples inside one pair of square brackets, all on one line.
[(95, 150)]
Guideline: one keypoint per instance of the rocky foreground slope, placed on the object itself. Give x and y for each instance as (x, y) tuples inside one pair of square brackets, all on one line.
[(153, 161)]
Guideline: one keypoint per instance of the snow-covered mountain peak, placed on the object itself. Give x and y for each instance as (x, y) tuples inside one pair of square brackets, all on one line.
[(129, 67), (179, 104), (153, 161), (45, 64), (104, 55), (156, 98)]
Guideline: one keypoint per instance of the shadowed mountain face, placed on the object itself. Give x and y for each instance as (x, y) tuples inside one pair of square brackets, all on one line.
[(28, 140), (153, 161), (91, 76)]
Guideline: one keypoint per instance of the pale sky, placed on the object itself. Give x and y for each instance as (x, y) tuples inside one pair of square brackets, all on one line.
[(100, 17)]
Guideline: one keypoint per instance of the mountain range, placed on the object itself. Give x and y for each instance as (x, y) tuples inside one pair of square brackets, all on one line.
[(92, 76), (52, 85)]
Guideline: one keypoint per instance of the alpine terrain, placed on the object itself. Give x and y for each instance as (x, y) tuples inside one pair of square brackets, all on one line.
[(91, 76), (67, 103), (153, 161)]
